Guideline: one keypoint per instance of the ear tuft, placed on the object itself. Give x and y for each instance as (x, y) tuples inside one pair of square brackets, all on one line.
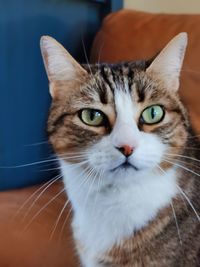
[(59, 64), (167, 65)]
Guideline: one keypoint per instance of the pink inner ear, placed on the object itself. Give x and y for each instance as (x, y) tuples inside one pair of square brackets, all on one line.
[(167, 65), (59, 64)]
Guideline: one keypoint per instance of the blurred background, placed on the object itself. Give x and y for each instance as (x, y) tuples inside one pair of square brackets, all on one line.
[(138, 29)]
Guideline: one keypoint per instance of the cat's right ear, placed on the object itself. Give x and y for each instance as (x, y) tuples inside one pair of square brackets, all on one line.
[(59, 64)]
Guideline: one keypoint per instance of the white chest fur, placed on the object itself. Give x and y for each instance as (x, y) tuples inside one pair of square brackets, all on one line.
[(105, 217)]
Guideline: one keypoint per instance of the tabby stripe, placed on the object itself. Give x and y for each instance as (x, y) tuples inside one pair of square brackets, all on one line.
[(113, 76), (106, 79), (102, 91), (130, 76), (121, 77), (60, 119), (171, 127), (140, 89)]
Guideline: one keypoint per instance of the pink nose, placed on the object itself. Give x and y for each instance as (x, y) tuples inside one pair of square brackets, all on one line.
[(126, 150)]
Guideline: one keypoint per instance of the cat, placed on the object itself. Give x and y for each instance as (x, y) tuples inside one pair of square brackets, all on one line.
[(128, 156)]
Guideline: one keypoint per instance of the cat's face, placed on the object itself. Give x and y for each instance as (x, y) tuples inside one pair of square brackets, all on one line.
[(119, 120)]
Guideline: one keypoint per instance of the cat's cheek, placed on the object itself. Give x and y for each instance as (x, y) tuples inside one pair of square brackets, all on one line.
[(104, 159), (103, 156), (149, 154)]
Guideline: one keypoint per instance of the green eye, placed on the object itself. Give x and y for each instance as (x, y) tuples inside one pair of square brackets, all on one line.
[(92, 117), (152, 114)]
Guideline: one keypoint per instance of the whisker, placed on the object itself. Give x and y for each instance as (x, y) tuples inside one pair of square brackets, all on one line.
[(85, 180), (182, 192), (181, 156), (38, 197), (37, 163), (37, 144), (174, 213), (100, 51), (98, 186), (64, 223), (50, 169), (75, 153), (73, 157), (31, 196), (190, 71), (194, 136), (181, 166), (58, 219), (89, 190), (86, 57), (189, 202), (183, 161), (37, 213), (73, 166), (185, 147), (176, 221), (28, 164)]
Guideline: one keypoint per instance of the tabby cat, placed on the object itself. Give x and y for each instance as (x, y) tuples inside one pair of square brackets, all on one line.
[(128, 157)]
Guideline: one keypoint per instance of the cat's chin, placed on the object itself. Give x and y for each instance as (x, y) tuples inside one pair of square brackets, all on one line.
[(129, 173), (126, 173)]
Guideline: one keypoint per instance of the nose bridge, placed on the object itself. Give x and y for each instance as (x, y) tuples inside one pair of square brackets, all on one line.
[(125, 133)]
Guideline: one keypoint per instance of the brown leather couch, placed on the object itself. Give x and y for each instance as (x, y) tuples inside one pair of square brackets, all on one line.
[(28, 240)]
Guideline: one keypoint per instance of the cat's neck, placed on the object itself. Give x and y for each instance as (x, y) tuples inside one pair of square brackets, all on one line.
[(116, 212)]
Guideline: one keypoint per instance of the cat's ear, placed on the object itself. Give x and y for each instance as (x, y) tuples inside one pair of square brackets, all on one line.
[(167, 65), (59, 64)]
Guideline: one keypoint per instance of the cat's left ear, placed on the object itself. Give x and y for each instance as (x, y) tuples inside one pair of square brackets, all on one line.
[(167, 65)]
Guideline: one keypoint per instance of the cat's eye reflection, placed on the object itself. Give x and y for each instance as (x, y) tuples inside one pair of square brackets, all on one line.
[(92, 117)]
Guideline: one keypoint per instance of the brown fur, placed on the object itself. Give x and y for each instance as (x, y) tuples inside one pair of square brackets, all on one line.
[(159, 244)]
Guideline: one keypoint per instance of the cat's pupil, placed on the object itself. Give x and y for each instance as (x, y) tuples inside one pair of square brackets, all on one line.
[(94, 114), (153, 113)]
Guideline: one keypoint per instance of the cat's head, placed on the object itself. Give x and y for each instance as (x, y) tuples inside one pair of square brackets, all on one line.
[(116, 119)]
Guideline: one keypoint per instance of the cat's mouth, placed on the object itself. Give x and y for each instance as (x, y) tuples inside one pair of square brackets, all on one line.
[(125, 166)]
